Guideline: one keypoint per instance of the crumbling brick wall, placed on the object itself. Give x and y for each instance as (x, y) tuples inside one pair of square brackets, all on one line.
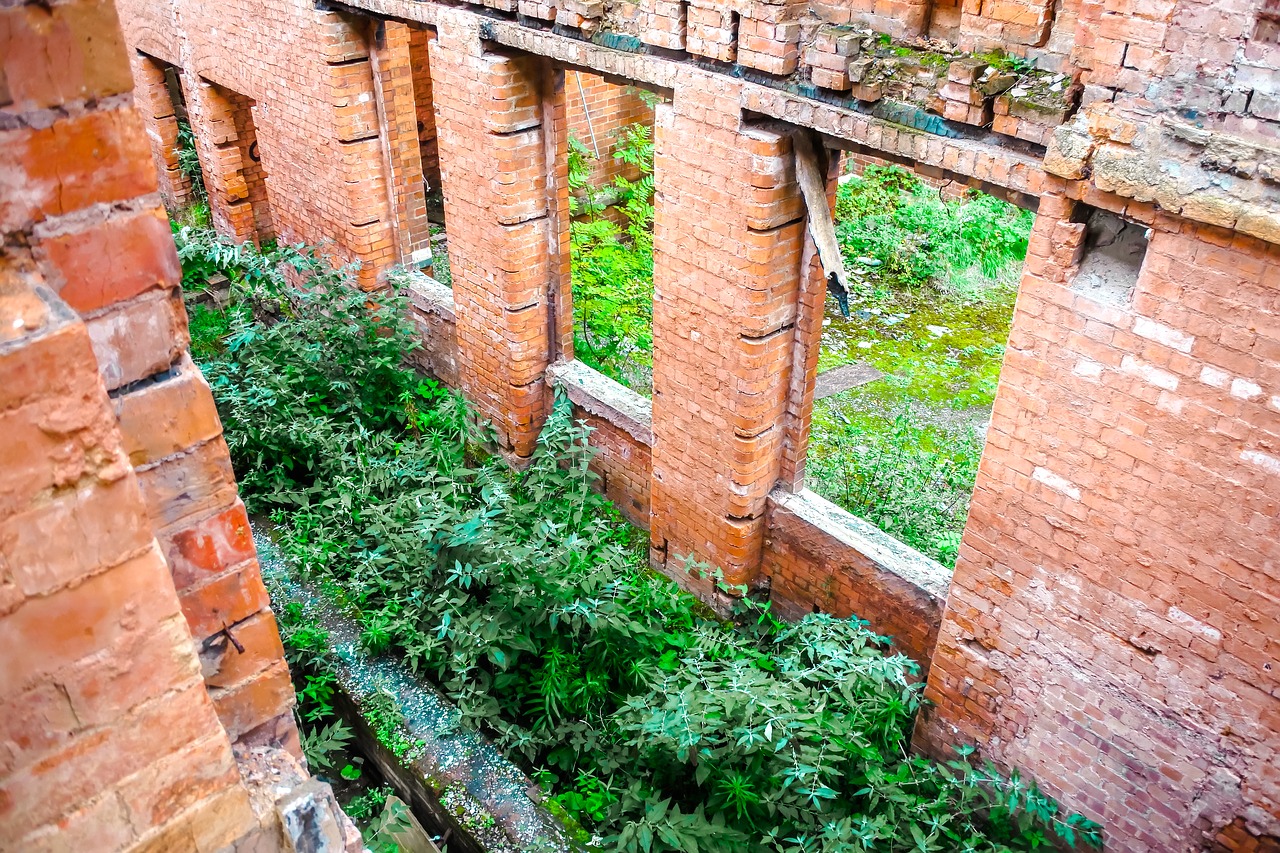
[(125, 559), (1104, 503), (1119, 558)]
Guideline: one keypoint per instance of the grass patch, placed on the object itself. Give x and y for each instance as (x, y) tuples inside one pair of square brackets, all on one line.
[(935, 282)]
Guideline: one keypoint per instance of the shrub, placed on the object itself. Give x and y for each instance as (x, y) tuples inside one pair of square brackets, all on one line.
[(613, 266), (914, 238), (520, 595)]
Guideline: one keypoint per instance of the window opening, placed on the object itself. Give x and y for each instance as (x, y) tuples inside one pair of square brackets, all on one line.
[(906, 382), (610, 164)]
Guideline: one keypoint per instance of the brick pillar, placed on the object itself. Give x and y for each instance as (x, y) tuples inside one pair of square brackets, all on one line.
[(109, 739), (212, 115), (498, 116), (393, 85), (77, 209), (1110, 628), (255, 175), (107, 735), (728, 238), (154, 102), (421, 62), (364, 210)]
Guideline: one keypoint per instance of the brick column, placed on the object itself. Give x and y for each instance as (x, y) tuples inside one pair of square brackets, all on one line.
[(152, 97), (421, 62), (107, 735), (212, 116), (109, 739), (506, 235), (76, 212), (728, 238), (1110, 628)]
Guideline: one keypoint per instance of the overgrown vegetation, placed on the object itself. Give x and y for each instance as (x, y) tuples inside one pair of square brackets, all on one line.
[(521, 594), (189, 161), (934, 285), (612, 264)]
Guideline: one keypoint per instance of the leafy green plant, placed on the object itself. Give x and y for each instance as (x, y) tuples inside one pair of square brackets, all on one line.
[(189, 161), (913, 238), (909, 478), (613, 267), (321, 745), (366, 806), (522, 596)]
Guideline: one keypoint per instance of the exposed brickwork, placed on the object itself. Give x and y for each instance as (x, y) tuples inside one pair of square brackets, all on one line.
[(111, 735), (725, 302), (1107, 630), (106, 732), (420, 63), (624, 465), (815, 560), (1104, 503), (597, 110), (154, 100), (398, 120), (491, 111)]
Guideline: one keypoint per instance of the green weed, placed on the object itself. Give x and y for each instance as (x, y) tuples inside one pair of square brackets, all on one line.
[(658, 725)]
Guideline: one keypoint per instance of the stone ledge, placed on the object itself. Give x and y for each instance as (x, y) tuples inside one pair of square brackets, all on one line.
[(605, 398), (819, 557), (428, 295), (890, 555)]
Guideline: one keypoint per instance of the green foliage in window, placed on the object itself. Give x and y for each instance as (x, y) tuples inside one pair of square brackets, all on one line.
[(189, 161), (660, 726), (912, 237), (613, 265)]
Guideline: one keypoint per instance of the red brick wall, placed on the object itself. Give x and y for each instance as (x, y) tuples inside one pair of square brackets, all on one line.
[(596, 106), (316, 121), (154, 101), (1103, 629), (107, 734), (817, 558), (1109, 629), (420, 60), (114, 733)]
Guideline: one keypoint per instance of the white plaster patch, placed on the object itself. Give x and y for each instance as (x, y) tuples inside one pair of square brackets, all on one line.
[(1160, 333), (1057, 483), (1275, 403), (1191, 623), (1169, 403), (1157, 377), (1214, 377), (1087, 369), (1244, 389), (1264, 461)]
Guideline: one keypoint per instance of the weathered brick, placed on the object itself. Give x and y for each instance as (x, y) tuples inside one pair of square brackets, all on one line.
[(139, 252), (68, 52), (99, 156)]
